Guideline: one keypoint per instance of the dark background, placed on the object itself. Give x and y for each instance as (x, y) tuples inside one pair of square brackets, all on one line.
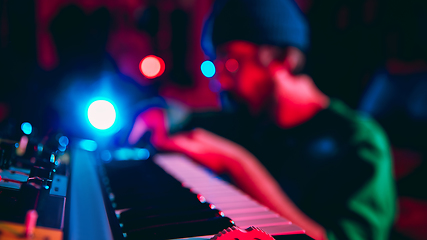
[(351, 41)]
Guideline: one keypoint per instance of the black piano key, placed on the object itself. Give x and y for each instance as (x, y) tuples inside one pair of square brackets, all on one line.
[(169, 218), (153, 193), (127, 188), (170, 200), (135, 177), (154, 210), (126, 168), (127, 177), (182, 229), (301, 236)]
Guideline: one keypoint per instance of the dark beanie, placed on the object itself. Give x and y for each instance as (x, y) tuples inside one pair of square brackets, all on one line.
[(273, 22)]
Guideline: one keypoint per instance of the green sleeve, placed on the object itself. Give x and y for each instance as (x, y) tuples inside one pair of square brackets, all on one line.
[(369, 212)]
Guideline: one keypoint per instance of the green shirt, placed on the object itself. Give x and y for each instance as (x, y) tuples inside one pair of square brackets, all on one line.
[(336, 167)]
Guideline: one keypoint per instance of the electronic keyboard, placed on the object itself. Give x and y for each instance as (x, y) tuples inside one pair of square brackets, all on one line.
[(168, 196)]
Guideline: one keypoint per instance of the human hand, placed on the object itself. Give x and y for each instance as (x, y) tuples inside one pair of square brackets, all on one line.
[(208, 149)]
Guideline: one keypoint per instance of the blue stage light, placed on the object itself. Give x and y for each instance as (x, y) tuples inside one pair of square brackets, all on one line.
[(101, 114), (208, 69), (27, 128), (123, 154), (63, 141), (142, 154), (88, 145)]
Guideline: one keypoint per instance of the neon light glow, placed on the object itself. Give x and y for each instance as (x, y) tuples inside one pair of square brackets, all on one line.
[(231, 65), (27, 128), (88, 145), (142, 154), (152, 66), (124, 154), (208, 69), (101, 114)]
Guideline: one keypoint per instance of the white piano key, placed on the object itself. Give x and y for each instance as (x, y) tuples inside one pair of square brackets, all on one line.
[(286, 229), (242, 210), (235, 204), (273, 221), (252, 215), (227, 199), (215, 187)]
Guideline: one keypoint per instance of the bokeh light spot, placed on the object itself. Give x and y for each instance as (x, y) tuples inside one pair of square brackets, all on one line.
[(106, 155), (52, 158), (232, 65), (152, 66), (63, 141), (142, 154), (88, 145), (208, 69), (214, 85), (27, 128), (101, 114)]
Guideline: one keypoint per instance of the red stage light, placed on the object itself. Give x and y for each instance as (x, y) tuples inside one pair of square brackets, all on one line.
[(232, 65), (152, 66)]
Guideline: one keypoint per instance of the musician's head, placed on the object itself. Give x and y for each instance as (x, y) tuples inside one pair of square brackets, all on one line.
[(246, 36)]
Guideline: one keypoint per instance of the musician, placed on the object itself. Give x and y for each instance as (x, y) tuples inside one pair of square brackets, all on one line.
[(304, 155)]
